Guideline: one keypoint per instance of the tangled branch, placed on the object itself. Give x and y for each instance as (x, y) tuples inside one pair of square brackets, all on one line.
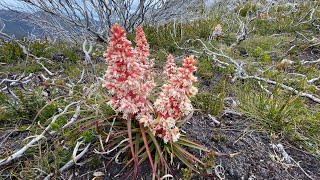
[(242, 74)]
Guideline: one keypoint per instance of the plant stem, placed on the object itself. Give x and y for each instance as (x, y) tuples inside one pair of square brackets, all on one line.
[(147, 147), (135, 159)]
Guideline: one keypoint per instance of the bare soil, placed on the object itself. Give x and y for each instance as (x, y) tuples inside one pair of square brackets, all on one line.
[(256, 159)]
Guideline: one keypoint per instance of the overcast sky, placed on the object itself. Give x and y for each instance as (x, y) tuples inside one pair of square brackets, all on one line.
[(16, 3)]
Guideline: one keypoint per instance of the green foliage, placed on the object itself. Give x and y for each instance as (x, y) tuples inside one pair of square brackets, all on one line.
[(88, 136), (54, 126), (72, 56), (247, 9), (187, 173), (256, 46), (229, 38), (205, 69), (32, 67), (27, 109), (258, 51), (286, 20), (211, 101), (47, 112), (62, 120), (96, 162), (40, 49), (30, 104), (261, 55), (164, 38), (10, 52), (283, 115), (107, 110)]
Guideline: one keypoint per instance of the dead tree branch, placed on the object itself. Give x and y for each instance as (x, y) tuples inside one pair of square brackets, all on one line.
[(68, 19), (242, 74), (73, 161), (20, 152)]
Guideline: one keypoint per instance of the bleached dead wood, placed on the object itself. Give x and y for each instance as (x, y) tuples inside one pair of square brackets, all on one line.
[(313, 80), (310, 62), (74, 117), (21, 81), (47, 70), (285, 158), (87, 56), (242, 74), (214, 119), (68, 19), (73, 161), (311, 15), (283, 86), (21, 151)]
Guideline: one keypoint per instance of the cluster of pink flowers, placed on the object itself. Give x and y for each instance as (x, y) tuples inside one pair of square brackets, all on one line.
[(170, 67), (143, 53), (173, 101), (129, 79), (125, 75)]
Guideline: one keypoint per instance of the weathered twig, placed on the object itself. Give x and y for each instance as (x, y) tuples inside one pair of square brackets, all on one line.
[(87, 56), (214, 119), (14, 82), (242, 74), (72, 162), (20, 152), (310, 62), (313, 80), (47, 70), (286, 158), (283, 86), (311, 12), (74, 117)]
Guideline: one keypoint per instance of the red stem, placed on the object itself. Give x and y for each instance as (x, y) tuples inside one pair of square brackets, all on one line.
[(135, 159), (147, 147)]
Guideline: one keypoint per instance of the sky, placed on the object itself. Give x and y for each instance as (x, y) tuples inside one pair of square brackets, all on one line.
[(16, 3)]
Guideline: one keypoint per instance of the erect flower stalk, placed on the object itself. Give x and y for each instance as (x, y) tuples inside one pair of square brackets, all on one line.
[(129, 79), (170, 68), (173, 101), (125, 76)]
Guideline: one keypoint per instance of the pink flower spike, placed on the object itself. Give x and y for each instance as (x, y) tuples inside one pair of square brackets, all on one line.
[(142, 45), (173, 101), (125, 74), (170, 67), (143, 53)]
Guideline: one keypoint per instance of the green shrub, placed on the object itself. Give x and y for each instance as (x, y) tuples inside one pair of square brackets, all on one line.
[(11, 52), (245, 9), (261, 55), (211, 101)]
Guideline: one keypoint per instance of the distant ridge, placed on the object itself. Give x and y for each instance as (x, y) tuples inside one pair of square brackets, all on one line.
[(15, 25)]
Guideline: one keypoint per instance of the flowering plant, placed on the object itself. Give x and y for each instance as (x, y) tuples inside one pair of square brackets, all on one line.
[(217, 33), (129, 79)]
